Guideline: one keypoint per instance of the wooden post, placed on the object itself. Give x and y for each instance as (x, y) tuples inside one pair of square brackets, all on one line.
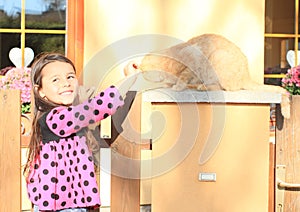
[(10, 147), (288, 154), (125, 164)]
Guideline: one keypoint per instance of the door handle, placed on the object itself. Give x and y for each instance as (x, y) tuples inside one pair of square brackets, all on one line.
[(283, 184)]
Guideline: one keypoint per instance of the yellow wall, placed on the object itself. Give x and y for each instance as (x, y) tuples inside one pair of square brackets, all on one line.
[(105, 23)]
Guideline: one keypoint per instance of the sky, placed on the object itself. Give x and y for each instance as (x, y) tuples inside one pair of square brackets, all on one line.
[(11, 7)]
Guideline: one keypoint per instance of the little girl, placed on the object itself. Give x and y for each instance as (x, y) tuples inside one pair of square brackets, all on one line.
[(60, 170)]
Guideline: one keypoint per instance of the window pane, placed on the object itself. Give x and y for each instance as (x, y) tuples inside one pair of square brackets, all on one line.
[(275, 57), (7, 42), (45, 43), (280, 16), (10, 14), (45, 14)]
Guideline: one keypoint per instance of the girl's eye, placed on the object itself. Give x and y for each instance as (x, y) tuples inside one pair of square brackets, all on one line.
[(55, 80), (71, 76)]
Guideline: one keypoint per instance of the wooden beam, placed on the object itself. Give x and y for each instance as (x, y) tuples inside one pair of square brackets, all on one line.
[(75, 35)]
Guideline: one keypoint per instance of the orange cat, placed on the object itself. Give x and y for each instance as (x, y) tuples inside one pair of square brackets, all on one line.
[(206, 62)]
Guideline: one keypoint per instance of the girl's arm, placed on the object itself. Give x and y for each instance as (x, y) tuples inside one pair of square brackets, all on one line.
[(63, 121)]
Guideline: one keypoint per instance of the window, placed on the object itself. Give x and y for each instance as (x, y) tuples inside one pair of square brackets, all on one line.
[(39, 25), (281, 35)]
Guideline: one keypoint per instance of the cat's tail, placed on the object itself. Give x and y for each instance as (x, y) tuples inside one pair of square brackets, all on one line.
[(285, 96)]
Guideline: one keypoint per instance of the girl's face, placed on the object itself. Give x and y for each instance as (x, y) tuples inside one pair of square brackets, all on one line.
[(59, 83)]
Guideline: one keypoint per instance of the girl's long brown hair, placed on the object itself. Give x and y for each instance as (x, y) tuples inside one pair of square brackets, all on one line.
[(41, 105)]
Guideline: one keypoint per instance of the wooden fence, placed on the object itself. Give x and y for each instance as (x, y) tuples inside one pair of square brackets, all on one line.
[(10, 147)]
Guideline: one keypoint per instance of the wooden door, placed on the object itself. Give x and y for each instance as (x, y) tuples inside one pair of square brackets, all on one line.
[(287, 169)]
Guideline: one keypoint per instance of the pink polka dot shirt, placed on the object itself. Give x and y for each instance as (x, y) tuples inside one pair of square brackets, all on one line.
[(63, 175)]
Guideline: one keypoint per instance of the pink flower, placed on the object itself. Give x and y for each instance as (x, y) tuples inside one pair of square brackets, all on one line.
[(18, 78)]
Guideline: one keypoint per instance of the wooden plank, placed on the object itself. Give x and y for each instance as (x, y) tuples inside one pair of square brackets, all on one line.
[(125, 164), (10, 147), (287, 153)]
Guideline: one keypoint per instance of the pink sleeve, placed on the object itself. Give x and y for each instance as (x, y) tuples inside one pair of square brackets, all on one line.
[(63, 121)]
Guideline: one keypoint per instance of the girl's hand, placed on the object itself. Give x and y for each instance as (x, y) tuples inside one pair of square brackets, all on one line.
[(131, 68)]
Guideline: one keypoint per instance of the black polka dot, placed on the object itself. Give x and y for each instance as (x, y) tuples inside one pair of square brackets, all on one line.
[(45, 203), (92, 174), (81, 117), (45, 171), (84, 167), (95, 190), (112, 95), (36, 166), (74, 153), (54, 111), (54, 196), (77, 114), (59, 156), (34, 189), (102, 94), (82, 200), (86, 183), (63, 188), (96, 112), (54, 126), (110, 105), (62, 132), (77, 127), (46, 156), (89, 199), (69, 109), (63, 204), (62, 172), (61, 117), (54, 180), (69, 123), (105, 115), (91, 121), (45, 187), (86, 107)]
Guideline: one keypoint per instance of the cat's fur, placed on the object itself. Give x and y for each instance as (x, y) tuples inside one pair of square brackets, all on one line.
[(205, 62)]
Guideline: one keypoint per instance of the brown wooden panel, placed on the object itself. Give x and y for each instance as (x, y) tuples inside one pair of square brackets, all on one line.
[(10, 147), (125, 164), (75, 34), (287, 153)]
